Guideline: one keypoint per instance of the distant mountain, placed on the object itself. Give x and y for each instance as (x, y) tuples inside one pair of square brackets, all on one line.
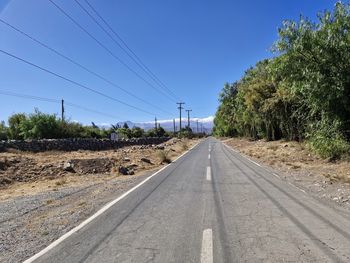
[(169, 126)]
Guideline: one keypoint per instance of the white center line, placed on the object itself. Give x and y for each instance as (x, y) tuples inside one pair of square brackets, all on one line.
[(208, 174), (209, 156), (207, 246)]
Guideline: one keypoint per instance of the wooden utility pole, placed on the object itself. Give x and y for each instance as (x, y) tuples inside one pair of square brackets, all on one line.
[(180, 108), (174, 126), (62, 110), (155, 123), (188, 118), (197, 127)]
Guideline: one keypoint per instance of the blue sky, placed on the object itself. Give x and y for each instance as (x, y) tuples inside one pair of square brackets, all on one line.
[(193, 46)]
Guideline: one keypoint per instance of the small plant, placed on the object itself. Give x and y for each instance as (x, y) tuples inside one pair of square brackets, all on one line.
[(184, 145), (328, 142), (61, 182), (163, 156)]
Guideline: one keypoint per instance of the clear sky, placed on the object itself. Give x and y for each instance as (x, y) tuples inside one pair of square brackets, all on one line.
[(193, 46)]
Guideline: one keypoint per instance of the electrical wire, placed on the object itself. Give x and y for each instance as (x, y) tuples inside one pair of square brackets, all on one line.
[(108, 50), (26, 96), (79, 65), (127, 51), (74, 82)]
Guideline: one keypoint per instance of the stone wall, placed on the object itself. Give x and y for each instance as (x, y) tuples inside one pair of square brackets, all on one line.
[(75, 144)]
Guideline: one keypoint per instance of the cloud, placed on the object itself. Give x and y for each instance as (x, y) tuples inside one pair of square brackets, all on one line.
[(208, 119)]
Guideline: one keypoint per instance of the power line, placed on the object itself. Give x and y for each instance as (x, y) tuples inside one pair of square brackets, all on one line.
[(74, 82), (79, 65), (135, 58), (108, 50), (26, 96)]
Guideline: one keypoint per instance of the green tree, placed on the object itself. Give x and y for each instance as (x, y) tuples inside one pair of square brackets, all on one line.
[(14, 122)]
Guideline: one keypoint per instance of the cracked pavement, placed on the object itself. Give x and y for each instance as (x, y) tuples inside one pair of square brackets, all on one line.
[(254, 217)]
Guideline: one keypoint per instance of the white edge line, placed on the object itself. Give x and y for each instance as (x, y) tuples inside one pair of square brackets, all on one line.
[(276, 175), (207, 246), (99, 212), (297, 187)]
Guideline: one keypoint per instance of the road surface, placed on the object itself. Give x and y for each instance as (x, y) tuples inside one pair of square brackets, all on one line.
[(211, 205)]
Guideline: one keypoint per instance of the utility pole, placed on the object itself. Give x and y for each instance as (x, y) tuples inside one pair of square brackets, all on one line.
[(155, 123), (180, 108), (174, 126), (197, 126), (188, 118), (62, 110)]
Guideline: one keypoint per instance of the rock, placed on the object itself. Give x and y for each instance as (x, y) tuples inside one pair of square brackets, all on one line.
[(131, 172), (123, 170), (146, 160), (5, 180), (126, 159), (132, 166), (68, 167)]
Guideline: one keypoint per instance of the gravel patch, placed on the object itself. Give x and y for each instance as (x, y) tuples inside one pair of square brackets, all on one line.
[(30, 223)]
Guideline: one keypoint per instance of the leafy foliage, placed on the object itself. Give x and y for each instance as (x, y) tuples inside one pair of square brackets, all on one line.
[(302, 93)]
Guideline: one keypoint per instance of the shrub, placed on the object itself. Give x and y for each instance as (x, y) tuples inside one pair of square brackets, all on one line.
[(163, 156), (3, 131), (328, 142), (39, 126)]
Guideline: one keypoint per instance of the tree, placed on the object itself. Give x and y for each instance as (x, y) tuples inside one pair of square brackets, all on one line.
[(3, 131), (14, 122), (40, 126), (137, 132)]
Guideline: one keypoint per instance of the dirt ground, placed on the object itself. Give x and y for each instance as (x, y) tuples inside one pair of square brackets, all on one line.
[(297, 164), (44, 195), (23, 173)]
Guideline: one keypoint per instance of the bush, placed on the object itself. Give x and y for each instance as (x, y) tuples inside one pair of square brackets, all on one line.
[(137, 132), (328, 142), (163, 156), (40, 126), (15, 121), (3, 131)]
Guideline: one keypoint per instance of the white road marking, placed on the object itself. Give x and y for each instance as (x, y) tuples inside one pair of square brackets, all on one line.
[(208, 173), (209, 156), (98, 213), (302, 190), (207, 246), (252, 161), (276, 175), (245, 156)]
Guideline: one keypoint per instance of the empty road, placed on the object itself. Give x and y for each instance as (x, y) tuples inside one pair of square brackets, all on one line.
[(210, 205)]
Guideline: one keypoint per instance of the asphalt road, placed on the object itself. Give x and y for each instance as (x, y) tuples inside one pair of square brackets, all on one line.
[(212, 205)]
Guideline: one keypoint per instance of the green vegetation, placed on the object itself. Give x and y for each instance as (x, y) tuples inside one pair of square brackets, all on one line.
[(303, 93), (39, 125)]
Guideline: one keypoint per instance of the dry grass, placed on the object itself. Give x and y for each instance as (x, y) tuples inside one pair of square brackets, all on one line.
[(163, 156), (61, 182), (292, 157), (36, 171)]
